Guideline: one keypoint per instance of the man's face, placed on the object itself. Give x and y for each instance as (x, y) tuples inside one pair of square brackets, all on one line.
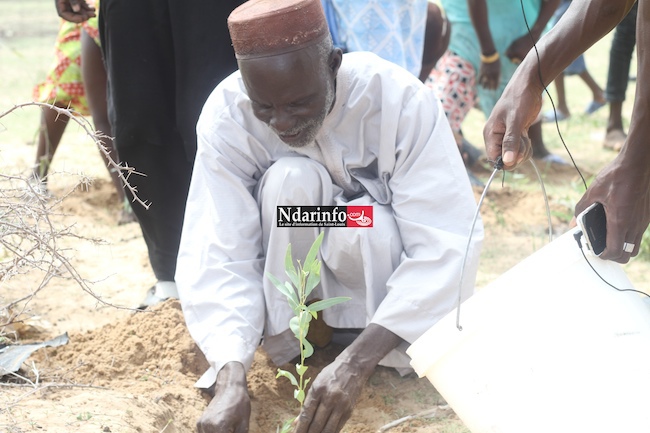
[(292, 93)]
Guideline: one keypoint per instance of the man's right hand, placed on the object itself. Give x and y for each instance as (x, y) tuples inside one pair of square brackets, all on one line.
[(230, 408), (75, 11), (506, 130)]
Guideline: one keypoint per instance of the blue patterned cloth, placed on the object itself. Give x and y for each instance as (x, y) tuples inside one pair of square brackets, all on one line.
[(392, 29)]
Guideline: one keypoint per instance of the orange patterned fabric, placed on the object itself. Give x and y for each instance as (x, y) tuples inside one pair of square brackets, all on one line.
[(63, 85)]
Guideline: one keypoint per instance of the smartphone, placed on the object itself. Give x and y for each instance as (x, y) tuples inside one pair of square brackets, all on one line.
[(593, 223)]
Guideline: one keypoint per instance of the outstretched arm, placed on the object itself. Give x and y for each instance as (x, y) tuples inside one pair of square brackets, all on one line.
[(584, 23), (335, 390), (75, 11), (623, 186)]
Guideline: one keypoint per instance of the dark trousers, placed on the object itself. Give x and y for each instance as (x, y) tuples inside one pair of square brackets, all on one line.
[(620, 57), (163, 58)]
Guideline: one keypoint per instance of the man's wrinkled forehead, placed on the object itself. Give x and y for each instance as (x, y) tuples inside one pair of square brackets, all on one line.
[(296, 72), (262, 28)]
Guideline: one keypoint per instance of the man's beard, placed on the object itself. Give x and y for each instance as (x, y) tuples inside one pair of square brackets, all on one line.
[(311, 127)]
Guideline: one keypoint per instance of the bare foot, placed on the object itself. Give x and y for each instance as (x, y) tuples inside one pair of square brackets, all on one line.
[(614, 140)]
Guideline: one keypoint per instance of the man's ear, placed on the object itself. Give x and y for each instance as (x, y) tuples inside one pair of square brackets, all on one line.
[(334, 62)]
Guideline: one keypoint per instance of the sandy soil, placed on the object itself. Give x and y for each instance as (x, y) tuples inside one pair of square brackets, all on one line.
[(134, 372), (128, 372), (124, 371)]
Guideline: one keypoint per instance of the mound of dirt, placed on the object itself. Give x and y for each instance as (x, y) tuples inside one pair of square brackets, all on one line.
[(138, 374)]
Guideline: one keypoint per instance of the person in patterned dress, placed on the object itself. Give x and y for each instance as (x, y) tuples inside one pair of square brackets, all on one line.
[(78, 85), (489, 38)]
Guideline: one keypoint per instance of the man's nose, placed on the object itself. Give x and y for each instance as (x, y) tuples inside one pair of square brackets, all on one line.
[(282, 121)]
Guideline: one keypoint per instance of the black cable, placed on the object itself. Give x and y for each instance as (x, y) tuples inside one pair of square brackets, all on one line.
[(578, 236), (539, 73)]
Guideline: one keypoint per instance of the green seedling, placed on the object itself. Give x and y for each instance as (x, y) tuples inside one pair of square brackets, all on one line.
[(303, 279), (84, 416)]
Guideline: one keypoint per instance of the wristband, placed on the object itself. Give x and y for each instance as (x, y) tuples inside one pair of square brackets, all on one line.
[(491, 58)]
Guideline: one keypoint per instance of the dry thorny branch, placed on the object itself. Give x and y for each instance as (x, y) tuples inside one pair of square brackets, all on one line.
[(123, 170), (30, 232)]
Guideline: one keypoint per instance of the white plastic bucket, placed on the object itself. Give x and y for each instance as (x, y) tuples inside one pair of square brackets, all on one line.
[(547, 347)]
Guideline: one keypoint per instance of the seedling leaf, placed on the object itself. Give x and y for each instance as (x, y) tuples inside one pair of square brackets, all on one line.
[(295, 307), (284, 288), (300, 369), (312, 280), (326, 303), (294, 325), (299, 395), (313, 251), (287, 426), (288, 375), (290, 269), (304, 319), (308, 349)]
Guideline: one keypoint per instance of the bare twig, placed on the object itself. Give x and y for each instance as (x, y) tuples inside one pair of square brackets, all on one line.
[(429, 413), (43, 387), (169, 422)]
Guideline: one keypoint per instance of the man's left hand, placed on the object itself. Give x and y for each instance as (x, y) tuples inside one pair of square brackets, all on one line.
[(335, 391), (332, 397)]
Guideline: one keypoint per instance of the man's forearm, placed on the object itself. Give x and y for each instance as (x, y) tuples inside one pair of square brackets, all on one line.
[(232, 374), (584, 23), (636, 152), (370, 347)]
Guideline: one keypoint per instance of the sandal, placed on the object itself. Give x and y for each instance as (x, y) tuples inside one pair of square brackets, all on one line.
[(158, 293), (552, 159), (594, 106), (549, 116)]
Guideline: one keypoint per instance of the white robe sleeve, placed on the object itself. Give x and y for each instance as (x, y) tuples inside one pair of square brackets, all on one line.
[(220, 262)]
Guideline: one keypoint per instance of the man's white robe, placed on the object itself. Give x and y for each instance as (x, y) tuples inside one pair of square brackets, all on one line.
[(386, 143)]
